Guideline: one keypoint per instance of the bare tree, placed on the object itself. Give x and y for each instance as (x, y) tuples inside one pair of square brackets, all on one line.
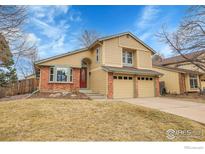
[(88, 37), (158, 57), (189, 37), (12, 20)]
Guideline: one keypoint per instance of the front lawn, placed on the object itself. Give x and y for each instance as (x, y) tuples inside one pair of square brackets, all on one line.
[(83, 120)]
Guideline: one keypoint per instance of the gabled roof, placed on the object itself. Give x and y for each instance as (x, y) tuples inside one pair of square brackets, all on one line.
[(61, 55), (98, 40), (121, 34), (131, 70), (179, 59)]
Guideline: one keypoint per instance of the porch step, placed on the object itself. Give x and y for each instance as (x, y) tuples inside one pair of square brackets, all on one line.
[(92, 95), (85, 91)]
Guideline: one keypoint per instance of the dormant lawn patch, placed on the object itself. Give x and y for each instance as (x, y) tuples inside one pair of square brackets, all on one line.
[(83, 120)]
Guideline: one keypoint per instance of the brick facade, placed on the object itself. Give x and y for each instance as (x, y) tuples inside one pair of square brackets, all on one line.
[(46, 86), (157, 87), (110, 86), (182, 85)]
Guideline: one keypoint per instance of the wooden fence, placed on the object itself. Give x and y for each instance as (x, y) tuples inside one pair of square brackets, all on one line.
[(20, 87)]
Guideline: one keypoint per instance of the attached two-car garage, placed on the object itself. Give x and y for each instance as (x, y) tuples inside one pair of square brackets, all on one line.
[(124, 86)]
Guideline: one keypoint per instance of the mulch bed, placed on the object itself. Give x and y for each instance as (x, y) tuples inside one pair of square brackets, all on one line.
[(59, 95)]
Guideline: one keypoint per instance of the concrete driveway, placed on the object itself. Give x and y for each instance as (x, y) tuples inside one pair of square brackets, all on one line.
[(191, 110)]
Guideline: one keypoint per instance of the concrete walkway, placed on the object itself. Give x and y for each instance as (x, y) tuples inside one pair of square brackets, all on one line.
[(191, 110)]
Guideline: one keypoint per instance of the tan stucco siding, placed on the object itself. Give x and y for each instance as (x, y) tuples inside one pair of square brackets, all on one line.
[(203, 85), (186, 65), (130, 42), (190, 67), (73, 60), (144, 59), (112, 52), (171, 80), (98, 81)]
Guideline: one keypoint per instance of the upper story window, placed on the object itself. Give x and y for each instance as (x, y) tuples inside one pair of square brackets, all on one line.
[(60, 74), (97, 55), (127, 58), (193, 81)]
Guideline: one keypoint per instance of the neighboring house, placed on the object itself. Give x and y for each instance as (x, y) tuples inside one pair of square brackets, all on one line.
[(181, 76), (117, 66), (31, 76)]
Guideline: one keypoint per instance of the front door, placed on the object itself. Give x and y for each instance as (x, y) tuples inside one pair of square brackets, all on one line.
[(83, 77)]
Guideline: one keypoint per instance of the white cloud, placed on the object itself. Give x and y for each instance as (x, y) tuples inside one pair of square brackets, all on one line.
[(32, 38), (48, 12), (52, 24), (53, 32), (148, 15)]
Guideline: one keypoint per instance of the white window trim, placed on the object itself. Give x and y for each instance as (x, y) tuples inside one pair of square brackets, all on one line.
[(97, 52), (51, 74), (126, 59), (55, 75), (193, 82)]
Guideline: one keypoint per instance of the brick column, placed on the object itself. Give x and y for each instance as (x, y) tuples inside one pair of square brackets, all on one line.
[(110, 85), (76, 79), (136, 87), (157, 90)]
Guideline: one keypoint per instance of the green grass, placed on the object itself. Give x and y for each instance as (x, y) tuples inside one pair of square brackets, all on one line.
[(81, 120)]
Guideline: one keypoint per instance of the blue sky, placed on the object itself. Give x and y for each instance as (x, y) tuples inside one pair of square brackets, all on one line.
[(56, 29)]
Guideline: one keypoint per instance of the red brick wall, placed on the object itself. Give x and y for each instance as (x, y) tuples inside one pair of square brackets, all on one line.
[(110, 86), (46, 86), (157, 90), (182, 85)]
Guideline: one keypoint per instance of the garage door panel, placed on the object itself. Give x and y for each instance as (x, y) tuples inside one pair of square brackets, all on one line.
[(123, 88), (146, 88)]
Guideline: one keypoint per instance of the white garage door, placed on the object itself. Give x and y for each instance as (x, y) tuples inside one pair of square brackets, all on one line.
[(123, 86), (146, 87)]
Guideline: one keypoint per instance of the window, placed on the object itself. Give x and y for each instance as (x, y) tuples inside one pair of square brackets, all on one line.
[(97, 55), (147, 78), (193, 81), (142, 78), (127, 58), (120, 77), (150, 78), (51, 74), (125, 77), (115, 77), (138, 78), (130, 78), (61, 74)]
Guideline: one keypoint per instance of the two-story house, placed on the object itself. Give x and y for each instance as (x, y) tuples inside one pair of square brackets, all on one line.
[(180, 75), (117, 66)]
